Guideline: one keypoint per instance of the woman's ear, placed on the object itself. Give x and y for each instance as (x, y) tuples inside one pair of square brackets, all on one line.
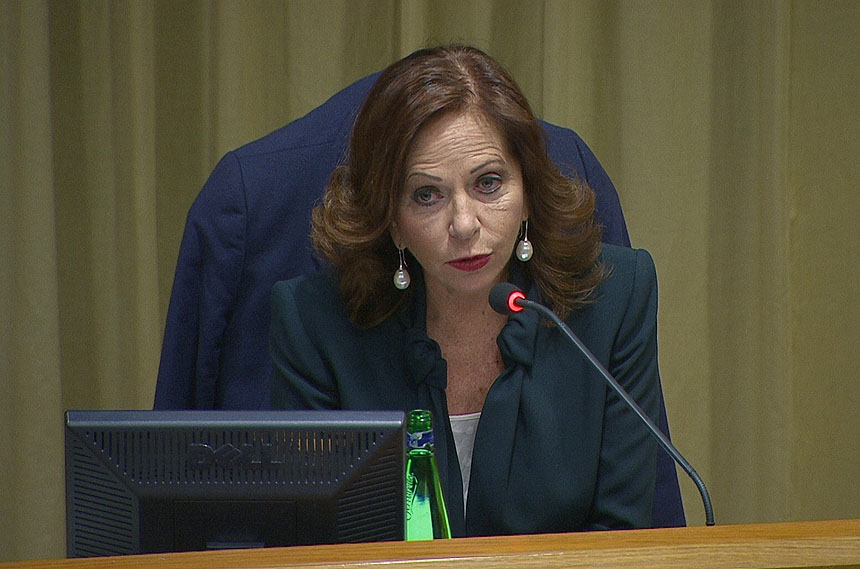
[(395, 234)]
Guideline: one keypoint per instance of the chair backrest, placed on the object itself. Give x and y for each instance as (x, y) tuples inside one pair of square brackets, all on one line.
[(248, 228)]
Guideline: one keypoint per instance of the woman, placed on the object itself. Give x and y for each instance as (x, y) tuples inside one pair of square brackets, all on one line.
[(447, 186)]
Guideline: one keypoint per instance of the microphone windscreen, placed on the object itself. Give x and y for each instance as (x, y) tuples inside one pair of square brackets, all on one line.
[(499, 296)]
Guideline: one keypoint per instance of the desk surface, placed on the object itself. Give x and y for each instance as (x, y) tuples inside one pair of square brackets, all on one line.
[(795, 544)]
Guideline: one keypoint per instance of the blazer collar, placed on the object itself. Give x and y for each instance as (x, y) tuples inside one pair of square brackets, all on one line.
[(424, 356)]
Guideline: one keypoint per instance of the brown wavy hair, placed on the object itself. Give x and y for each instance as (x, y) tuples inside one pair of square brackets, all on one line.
[(350, 229)]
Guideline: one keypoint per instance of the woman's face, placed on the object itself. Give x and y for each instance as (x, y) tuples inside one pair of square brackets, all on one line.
[(462, 205)]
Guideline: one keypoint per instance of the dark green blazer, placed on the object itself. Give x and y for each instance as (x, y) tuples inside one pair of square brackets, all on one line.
[(556, 450)]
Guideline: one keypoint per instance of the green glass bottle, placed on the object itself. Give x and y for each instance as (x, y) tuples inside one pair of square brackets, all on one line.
[(426, 515)]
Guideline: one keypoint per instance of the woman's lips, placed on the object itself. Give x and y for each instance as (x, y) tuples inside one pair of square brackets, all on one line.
[(470, 263)]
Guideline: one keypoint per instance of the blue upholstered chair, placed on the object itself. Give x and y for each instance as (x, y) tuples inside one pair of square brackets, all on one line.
[(248, 228)]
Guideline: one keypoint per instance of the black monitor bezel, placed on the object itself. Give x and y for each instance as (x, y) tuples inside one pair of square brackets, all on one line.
[(312, 500)]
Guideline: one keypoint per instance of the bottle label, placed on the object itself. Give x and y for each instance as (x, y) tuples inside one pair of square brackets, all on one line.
[(411, 486), (420, 439)]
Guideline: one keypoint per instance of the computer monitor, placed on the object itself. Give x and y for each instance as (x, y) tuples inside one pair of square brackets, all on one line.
[(164, 481)]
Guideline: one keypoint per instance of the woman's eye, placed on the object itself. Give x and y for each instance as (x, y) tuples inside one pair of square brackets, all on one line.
[(489, 184), (425, 196)]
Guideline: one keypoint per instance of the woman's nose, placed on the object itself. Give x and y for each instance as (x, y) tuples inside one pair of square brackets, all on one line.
[(464, 217)]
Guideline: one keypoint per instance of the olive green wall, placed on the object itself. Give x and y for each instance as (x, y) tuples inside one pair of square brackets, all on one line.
[(729, 128)]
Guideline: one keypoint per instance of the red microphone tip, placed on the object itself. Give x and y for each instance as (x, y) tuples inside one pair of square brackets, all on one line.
[(512, 301)]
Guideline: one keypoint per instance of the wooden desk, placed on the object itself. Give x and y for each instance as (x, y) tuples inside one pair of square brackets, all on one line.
[(801, 544)]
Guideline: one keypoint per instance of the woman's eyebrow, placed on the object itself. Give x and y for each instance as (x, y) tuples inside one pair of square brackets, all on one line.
[(424, 174), (472, 171), (487, 163)]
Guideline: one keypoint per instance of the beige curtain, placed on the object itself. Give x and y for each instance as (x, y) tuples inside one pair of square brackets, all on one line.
[(729, 128)]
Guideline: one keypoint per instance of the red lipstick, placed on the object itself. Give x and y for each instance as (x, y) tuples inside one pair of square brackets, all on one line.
[(470, 263)]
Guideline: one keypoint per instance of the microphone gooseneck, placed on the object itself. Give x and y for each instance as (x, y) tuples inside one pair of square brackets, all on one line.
[(506, 298)]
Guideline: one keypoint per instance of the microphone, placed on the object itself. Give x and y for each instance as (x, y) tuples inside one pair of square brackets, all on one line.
[(507, 299)]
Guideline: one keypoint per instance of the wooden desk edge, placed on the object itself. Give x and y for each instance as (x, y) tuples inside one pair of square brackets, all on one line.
[(832, 543)]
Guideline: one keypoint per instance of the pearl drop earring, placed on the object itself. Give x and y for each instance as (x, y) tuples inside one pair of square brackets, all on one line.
[(524, 247), (401, 275)]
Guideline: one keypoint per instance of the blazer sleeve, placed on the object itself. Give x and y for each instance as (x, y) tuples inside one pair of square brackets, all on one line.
[(204, 291), (301, 377), (627, 468)]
